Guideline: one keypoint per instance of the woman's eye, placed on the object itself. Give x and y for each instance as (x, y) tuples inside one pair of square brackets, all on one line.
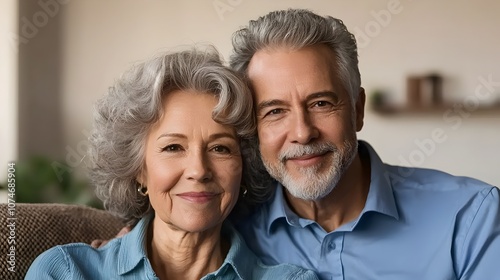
[(221, 149), (172, 148)]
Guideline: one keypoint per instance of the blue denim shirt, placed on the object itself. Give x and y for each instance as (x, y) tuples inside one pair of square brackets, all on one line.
[(416, 224), (126, 258)]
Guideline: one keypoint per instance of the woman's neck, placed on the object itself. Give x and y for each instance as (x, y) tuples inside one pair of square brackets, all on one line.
[(176, 254)]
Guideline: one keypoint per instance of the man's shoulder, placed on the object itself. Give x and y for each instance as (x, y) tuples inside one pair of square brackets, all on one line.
[(424, 179), (443, 195)]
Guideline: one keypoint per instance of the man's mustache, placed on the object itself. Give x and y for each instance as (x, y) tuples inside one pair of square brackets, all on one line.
[(306, 150)]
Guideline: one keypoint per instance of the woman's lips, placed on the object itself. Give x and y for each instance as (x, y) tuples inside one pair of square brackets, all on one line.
[(198, 197)]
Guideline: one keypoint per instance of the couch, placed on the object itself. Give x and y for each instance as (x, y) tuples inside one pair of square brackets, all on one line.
[(27, 230)]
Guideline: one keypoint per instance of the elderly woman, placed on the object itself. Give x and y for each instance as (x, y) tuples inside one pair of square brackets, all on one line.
[(166, 150)]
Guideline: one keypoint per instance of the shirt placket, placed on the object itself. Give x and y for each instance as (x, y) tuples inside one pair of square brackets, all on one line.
[(331, 256)]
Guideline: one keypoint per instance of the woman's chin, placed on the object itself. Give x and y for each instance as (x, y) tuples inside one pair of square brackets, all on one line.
[(196, 224)]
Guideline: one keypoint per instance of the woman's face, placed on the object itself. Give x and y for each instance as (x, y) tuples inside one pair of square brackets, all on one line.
[(193, 165)]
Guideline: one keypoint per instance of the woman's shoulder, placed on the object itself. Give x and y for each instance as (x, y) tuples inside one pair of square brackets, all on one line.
[(50, 264), (63, 261), (81, 261)]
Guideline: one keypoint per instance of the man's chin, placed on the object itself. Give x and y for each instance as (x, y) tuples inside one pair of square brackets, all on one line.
[(311, 183), (308, 188), (308, 193)]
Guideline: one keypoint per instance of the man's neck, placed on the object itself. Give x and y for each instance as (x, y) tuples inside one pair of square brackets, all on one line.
[(343, 204)]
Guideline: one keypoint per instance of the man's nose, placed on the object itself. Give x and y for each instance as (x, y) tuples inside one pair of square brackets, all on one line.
[(303, 130)]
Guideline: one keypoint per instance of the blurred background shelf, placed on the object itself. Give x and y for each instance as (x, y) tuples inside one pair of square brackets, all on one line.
[(394, 110)]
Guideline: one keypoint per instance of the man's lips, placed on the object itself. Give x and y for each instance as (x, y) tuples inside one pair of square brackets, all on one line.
[(307, 160), (199, 197)]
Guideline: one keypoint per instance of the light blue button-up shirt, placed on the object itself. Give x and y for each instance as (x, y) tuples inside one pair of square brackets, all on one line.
[(416, 224), (126, 258)]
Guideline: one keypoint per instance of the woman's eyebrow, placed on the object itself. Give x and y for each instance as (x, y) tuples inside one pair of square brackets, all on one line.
[(172, 135), (212, 137), (222, 135)]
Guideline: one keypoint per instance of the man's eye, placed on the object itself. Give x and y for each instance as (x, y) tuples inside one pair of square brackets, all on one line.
[(321, 104), (274, 112)]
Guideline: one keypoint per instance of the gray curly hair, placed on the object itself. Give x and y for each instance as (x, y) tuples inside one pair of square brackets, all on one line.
[(126, 113), (294, 29)]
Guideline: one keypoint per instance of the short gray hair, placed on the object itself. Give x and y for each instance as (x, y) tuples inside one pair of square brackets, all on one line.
[(126, 113), (296, 29)]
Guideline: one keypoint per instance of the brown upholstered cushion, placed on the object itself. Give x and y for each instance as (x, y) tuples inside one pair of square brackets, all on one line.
[(39, 227)]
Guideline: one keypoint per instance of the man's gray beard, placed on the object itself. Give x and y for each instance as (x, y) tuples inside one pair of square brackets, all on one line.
[(311, 185)]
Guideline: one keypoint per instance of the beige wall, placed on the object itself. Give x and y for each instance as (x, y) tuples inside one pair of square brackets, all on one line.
[(100, 39), (8, 85), (39, 83)]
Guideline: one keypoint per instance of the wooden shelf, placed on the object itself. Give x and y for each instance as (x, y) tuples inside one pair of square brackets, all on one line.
[(436, 110)]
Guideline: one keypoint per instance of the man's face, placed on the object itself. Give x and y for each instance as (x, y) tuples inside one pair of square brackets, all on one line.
[(307, 122)]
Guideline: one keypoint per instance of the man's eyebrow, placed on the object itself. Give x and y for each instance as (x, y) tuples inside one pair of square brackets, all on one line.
[(326, 93), (276, 102), (268, 103)]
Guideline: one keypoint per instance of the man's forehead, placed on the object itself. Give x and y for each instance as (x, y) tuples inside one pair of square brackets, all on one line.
[(288, 62), (278, 71)]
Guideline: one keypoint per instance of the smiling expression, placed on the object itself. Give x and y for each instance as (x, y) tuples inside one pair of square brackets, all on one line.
[(306, 120), (193, 165)]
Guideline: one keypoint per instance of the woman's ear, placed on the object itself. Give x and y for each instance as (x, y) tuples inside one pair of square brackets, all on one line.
[(141, 178)]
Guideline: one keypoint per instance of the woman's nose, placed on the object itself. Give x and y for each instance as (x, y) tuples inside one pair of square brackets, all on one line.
[(197, 167)]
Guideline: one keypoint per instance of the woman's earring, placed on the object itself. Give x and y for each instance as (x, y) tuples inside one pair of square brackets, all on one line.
[(245, 192), (142, 190)]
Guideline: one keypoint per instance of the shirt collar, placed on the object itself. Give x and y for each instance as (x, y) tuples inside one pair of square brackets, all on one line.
[(380, 196), (278, 209), (133, 247), (239, 257)]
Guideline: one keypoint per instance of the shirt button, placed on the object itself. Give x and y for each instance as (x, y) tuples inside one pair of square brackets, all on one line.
[(332, 245)]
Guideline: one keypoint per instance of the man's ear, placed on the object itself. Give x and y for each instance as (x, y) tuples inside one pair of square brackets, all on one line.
[(360, 109)]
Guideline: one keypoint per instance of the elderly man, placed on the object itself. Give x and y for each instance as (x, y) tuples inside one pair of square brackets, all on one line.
[(338, 209)]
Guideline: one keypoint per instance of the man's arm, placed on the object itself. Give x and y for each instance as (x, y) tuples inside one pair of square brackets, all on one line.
[(478, 256), (98, 243)]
